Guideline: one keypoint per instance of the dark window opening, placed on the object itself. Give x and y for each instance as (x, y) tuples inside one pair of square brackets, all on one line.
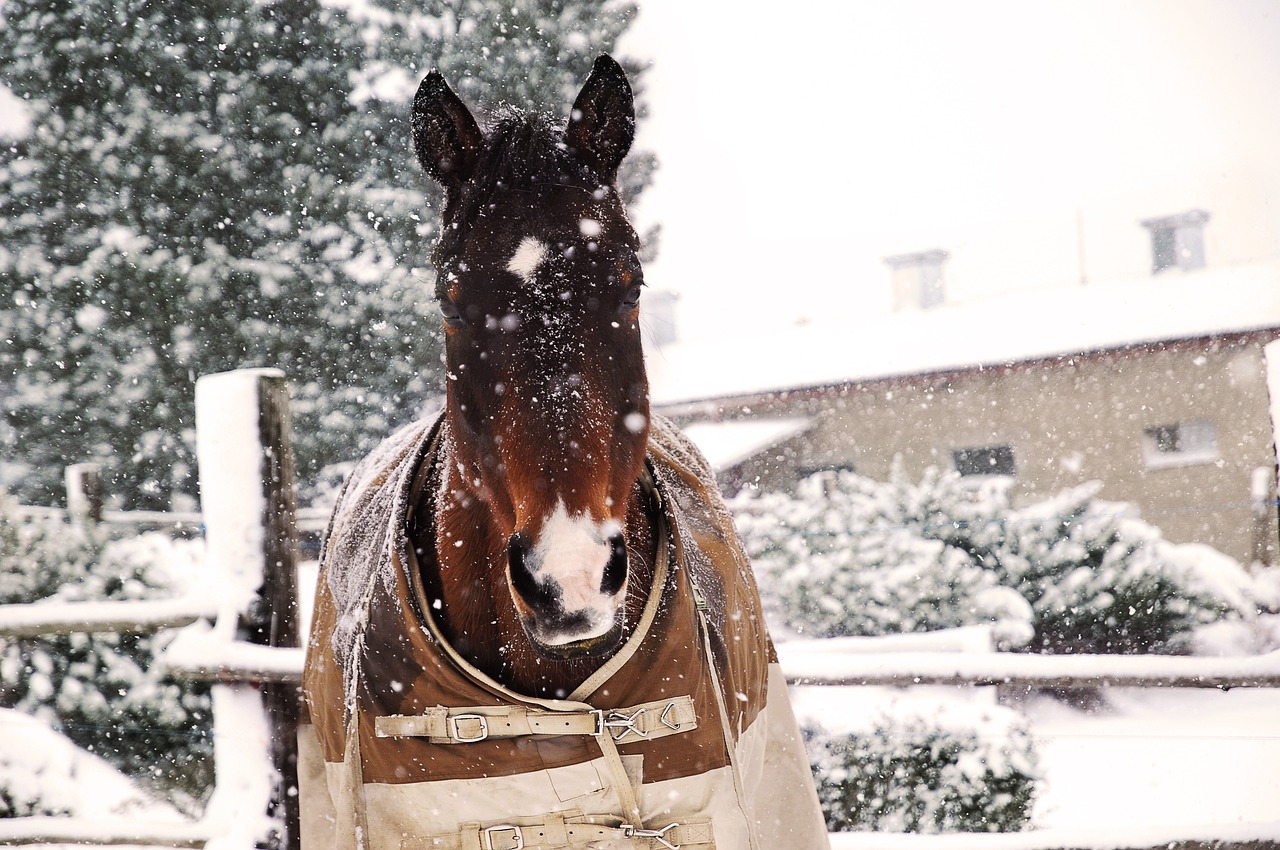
[(1177, 241), (1164, 249), (986, 460), (1165, 439), (1179, 444)]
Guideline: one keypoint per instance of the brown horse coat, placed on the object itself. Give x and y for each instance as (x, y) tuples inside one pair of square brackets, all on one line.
[(690, 722)]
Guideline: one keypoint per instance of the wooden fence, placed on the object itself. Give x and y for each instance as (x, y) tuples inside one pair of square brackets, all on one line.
[(252, 650), (249, 523)]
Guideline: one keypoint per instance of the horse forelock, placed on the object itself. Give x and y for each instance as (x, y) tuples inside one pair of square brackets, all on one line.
[(524, 157)]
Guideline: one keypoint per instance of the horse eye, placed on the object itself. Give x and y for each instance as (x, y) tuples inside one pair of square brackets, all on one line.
[(631, 298), (452, 315)]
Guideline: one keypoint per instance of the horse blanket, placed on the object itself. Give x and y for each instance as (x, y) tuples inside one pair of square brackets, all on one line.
[(684, 738)]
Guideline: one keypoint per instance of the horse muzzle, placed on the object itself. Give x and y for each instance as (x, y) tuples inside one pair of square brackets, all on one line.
[(569, 586)]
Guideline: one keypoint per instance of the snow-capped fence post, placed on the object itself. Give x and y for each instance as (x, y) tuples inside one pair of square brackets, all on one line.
[(84, 493), (247, 493)]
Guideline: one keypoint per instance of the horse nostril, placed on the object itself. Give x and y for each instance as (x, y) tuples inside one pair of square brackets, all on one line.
[(615, 572), (522, 578)]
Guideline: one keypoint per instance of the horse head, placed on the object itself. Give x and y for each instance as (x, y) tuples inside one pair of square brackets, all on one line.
[(547, 401)]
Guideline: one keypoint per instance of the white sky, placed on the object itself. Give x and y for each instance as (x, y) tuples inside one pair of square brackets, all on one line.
[(801, 145), (803, 141)]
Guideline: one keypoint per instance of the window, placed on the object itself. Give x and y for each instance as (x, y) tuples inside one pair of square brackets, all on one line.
[(1179, 444), (1177, 241), (984, 460), (917, 279)]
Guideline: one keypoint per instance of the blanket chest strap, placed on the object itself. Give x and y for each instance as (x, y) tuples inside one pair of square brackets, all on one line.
[(467, 725), (567, 830)]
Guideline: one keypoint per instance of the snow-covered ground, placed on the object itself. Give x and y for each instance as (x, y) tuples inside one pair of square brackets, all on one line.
[(1143, 760), (1199, 760), (41, 766), (1159, 758)]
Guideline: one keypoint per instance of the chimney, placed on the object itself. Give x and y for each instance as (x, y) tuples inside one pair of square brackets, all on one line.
[(917, 279), (1177, 241)]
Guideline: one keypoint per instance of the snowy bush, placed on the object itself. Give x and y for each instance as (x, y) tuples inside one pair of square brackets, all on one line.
[(844, 556), (850, 556), (102, 690), (1098, 578), (951, 771)]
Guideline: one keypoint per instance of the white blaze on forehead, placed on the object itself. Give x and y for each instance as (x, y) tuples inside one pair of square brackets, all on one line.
[(571, 554), (529, 254)]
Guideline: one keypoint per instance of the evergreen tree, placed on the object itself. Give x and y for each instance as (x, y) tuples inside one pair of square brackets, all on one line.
[(216, 185)]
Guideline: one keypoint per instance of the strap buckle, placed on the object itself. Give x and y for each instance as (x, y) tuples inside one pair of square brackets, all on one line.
[(658, 835), (455, 729), (515, 842), (613, 719)]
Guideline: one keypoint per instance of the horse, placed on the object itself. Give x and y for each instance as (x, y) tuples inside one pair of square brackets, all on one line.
[(534, 625), (539, 284)]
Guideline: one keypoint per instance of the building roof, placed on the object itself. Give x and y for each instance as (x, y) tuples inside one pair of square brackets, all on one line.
[(1001, 330), (727, 444)]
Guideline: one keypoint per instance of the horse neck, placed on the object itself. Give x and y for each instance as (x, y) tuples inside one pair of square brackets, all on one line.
[(468, 576)]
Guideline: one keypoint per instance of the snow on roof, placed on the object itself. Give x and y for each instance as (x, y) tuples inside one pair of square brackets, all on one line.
[(726, 444), (999, 330)]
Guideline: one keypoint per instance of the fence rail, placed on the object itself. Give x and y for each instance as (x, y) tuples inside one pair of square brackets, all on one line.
[(308, 519), (136, 617), (1041, 671), (41, 831)]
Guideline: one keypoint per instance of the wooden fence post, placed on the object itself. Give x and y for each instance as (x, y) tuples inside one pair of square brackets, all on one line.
[(247, 497), (84, 494)]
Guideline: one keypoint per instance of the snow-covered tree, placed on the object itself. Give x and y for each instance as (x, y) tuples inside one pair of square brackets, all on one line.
[(1098, 578), (845, 555), (1071, 573), (957, 768), (102, 690), (215, 185)]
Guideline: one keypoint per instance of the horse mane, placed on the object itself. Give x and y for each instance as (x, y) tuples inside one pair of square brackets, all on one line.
[(523, 153)]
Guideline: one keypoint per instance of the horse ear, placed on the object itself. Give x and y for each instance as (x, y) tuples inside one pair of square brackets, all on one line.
[(445, 135), (603, 122)]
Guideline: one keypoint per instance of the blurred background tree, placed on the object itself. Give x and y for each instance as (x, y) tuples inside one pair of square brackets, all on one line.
[(208, 186)]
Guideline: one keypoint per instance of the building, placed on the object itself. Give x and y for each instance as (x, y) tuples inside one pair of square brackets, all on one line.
[(1155, 386)]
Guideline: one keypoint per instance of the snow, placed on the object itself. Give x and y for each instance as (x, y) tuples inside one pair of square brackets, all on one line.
[(974, 639), (1161, 759), (98, 805), (40, 763), (1142, 768), (49, 617), (201, 651), (15, 120), (229, 450), (726, 444), (242, 768), (1112, 838), (1032, 325), (906, 667)]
